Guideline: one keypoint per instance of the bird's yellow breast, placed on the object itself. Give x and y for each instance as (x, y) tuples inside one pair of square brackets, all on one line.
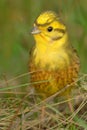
[(54, 60)]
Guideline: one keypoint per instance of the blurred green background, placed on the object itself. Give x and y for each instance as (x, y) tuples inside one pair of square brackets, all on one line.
[(16, 21)]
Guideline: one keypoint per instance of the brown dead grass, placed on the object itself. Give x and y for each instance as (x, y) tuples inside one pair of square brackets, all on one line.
[(27, 112)]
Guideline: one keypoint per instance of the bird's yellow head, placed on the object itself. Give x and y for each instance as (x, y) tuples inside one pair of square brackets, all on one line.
[(48, 28)]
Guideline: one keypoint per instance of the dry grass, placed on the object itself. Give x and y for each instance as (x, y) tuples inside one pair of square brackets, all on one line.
[(21, 110)]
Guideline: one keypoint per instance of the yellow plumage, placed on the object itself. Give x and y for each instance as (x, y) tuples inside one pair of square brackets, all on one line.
[(53, 58)]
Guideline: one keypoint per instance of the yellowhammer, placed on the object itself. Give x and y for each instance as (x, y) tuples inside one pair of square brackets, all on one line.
[(54, 62)]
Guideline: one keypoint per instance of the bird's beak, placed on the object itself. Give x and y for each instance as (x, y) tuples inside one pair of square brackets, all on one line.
[(35, 30)]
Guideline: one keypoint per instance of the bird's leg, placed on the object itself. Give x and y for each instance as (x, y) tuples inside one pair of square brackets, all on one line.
[(42, 113), (70, 104)]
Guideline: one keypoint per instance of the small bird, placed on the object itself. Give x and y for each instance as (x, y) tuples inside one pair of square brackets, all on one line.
[(54, 63)]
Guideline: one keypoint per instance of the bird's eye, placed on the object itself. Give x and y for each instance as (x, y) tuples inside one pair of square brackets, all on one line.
[(49, 29)]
